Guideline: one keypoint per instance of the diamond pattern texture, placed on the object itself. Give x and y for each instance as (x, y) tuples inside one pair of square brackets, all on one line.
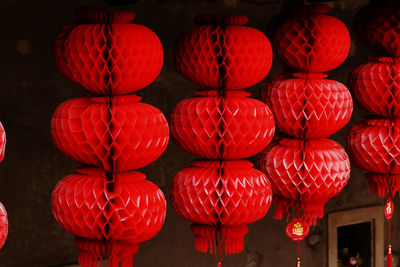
[(134, 209), (308, 107), (223, 195), (223, 56), (374, 145), (109, 59), (117, 133), (111, 208), (305, 171), (312, 43), (229, 127), (227, 193), (376, 86), (382, 27)]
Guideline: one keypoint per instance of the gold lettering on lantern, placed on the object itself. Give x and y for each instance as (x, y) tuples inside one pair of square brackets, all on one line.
[(389, 208), (298, 229)]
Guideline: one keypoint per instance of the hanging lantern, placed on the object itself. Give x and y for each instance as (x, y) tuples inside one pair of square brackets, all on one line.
[(374, 144), (221, 194), (305, 168), (108, 206)]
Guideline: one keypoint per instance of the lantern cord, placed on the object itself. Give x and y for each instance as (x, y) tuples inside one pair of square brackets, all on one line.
[(219, 247), (389, 255), (298, 264)]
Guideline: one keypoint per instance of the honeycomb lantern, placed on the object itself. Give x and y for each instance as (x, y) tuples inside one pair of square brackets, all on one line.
[(304, 167), (223, 52), (328, 109), (306, 173), (312, 41), (106, 58), (373, 144), (222, 193), (108, 206)]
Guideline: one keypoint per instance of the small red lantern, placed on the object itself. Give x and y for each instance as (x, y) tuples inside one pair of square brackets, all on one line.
[(305, 168), (108, 206), (222, 194)]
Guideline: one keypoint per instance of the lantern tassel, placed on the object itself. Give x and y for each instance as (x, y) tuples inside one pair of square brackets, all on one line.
[(389, 209), (298, 263), (389, 257)]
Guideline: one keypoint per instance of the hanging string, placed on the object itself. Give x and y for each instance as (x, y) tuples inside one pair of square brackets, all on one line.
[(298, 254), (389, 208)]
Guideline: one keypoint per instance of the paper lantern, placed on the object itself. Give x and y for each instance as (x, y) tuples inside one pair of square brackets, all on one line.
[(305, 168), (221, 194), (304, 173), (382, 20), (373, 144), (109, 207), (312, 41)]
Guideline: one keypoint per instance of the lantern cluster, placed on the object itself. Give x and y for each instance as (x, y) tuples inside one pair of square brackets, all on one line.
[(374, 143), (222, 193), (108, 206), (3, 212), (304, 167)]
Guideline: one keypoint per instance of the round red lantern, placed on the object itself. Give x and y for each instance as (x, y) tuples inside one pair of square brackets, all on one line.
[(114, 133), (304, 174), (376, 86), (223, 194), (109, 207), (197, 127), (308, 106), (312, 41), (105, 54), (382, 34), (222, 53)]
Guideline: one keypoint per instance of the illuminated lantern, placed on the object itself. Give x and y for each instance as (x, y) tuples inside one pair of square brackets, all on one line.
[(306, 169), (108, 206), (221, 194), (374, 144)]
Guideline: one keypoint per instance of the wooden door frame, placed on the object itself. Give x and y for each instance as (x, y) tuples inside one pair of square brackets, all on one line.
[(374, 215)]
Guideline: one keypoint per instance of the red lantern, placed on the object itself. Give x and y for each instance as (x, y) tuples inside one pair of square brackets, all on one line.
[(110, 208), (223, 194), (312, 41), (306, 169), (374, 144)]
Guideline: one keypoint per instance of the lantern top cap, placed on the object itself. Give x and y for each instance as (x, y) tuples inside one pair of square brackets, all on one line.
[(311, 9), (204, 19), (102, 15)]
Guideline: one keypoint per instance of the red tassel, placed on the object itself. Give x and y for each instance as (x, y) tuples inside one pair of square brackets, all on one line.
[(219, 263), (298, 262), (389, 257)]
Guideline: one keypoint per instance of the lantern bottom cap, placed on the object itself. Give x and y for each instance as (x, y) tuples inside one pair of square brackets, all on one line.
[(118, 253), (229, 239)]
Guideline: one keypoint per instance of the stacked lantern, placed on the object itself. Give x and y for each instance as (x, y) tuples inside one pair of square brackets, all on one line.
[(374, 144), (109, 207), (304, 167), (3, 212), (222, 193)]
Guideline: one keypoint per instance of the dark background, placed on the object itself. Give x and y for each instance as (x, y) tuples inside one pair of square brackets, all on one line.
[(31, 89)]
